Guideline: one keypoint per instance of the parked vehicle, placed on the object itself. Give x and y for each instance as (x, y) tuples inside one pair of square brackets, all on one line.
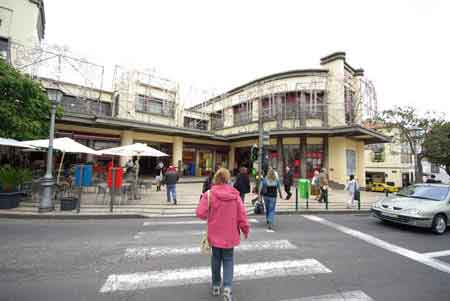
[(421, 205), (383, 187)]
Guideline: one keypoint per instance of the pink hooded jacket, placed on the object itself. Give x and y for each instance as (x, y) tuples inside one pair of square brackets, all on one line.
[(227, 216)]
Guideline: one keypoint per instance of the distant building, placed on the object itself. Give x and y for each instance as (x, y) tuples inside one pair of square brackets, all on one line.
[(22, 22), (389, 162), (439, 172)]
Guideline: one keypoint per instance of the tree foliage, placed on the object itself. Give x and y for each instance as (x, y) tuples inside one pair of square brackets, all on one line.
[(436, 146), (24, 106), (412, 129)]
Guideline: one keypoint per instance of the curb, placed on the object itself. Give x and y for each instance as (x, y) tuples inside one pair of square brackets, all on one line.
[(70, 217), (41, 216)]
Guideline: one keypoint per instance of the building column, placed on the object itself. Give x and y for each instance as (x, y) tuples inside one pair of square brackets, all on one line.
[(126, 139), (231, 158), (177, 155), (303, 157), (325, 162)]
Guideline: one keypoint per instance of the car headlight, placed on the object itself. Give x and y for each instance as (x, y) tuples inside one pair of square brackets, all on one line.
[(413, 211)]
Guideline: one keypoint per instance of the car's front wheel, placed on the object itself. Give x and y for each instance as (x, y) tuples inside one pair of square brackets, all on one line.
[(439, 225)]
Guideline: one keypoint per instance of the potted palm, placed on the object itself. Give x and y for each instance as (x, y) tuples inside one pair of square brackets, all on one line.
[(11, 180)]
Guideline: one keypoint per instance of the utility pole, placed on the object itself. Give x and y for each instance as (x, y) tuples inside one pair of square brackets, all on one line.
[(261, 133)]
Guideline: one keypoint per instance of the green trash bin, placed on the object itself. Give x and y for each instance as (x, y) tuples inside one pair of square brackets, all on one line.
[(304, 188)]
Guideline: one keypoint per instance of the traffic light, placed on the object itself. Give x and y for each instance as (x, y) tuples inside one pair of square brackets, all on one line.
[(254, 153)]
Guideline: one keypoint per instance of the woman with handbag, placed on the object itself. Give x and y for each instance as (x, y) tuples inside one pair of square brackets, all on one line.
[(353, 189), (226, 217), (269, 187)]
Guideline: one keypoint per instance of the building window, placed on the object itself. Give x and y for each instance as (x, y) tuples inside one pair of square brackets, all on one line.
[(242, 113), (292, 157), (4, 49), (435, 168), (351, 161), (405, 155), (378, 152), (77, 105), (269, 108), (194, 123), (152, 105), (314, 157), (313, 105), (349, 97), (217, 120)]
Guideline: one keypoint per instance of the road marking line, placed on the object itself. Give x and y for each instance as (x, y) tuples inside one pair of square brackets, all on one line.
[(172, 250), (434, 263), (437, 254), (184, 233), (344, 296), (178, 277), (197, 222)]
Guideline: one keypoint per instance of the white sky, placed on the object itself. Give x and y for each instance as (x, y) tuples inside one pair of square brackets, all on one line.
[(403, 45)]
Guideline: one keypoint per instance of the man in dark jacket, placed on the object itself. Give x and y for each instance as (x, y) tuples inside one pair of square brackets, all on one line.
[(242, 183), (288, 180), (170, 179)]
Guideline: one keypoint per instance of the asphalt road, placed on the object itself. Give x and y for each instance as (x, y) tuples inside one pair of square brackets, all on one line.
[(335, 256)]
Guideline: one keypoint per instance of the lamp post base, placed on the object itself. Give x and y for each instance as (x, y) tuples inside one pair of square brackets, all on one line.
[(46, 200)]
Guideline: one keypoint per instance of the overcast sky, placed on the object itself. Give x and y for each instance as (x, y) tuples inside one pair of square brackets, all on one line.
[(402, 45)]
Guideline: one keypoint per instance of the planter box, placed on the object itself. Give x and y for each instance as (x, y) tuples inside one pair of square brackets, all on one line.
[(68, 203), (9, 200)]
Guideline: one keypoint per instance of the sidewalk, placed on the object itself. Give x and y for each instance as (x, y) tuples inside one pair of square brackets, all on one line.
[(154, 204)]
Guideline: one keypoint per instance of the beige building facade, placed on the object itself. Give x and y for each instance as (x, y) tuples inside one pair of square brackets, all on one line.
[(313, 119), (389, 162), (22, 22)]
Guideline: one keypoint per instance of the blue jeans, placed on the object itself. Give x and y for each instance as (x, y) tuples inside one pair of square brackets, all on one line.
[(171, 190), (218, 257), (270, 203)]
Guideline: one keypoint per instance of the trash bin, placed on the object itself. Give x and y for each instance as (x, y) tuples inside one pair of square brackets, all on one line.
[(304, 188), (68, 203)]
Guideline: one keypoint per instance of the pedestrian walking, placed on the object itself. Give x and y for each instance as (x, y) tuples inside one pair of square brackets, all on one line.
[(226, 218), (269, 187), (323, 185), (242, 183), (159, 177), (315, 187), (288, 180), (170, 179), (352, 187)]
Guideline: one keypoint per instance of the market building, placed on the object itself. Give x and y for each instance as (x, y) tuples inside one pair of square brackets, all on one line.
[(314, 118)]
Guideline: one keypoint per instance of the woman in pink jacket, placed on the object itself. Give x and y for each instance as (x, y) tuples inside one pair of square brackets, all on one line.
[(226, 217)]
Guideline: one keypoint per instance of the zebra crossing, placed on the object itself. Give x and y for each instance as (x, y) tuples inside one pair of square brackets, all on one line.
[(280, 266)]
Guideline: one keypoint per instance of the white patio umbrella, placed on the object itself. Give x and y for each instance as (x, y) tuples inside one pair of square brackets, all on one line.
[(65, 145), (134, 150), (13, 143)]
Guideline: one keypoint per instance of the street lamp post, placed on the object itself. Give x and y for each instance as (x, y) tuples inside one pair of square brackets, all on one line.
[(47, 182)]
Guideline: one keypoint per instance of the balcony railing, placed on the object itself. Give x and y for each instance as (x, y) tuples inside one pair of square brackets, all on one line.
[(86, 106)]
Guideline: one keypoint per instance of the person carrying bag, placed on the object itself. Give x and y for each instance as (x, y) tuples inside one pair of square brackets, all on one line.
[(226, 217)]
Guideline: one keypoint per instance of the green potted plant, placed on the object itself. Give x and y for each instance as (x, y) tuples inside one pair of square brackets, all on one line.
[(11, 180)]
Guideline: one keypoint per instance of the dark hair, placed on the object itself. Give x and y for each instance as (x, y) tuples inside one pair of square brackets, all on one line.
[(352, 177)]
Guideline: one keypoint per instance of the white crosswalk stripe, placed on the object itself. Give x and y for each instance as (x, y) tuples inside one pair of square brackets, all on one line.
[(344, 296), (182, 233), (186, 250), (178, 277), (188, 222)]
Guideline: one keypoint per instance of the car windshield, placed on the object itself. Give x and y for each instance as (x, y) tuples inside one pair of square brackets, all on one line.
[(434, 193)]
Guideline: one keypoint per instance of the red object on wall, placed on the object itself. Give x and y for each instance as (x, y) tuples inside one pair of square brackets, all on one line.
[(119, 177)]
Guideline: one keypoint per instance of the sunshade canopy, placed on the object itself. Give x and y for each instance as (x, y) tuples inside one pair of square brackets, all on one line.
[(65, 145), (14, 143), (137, 149)]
